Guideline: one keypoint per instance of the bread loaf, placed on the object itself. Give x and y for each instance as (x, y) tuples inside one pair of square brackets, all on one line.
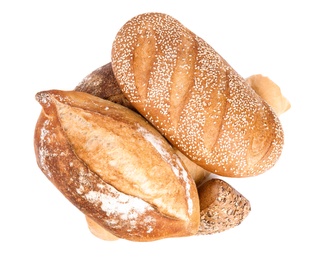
[(221, 207), (204, 108), (122, 173), (97, 152)]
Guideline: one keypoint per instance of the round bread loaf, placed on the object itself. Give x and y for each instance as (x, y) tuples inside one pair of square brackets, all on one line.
[(194, 97)]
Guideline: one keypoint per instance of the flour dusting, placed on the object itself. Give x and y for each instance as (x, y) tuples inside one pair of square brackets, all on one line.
[(173, 161), (125, 208)]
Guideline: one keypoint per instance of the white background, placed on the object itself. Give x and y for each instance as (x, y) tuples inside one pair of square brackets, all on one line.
[(55, 44)]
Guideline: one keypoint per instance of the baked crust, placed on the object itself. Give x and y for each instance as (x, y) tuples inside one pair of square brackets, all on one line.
[(96, 153), (210, 115), (195, 99), (102, 83), (222, 207)]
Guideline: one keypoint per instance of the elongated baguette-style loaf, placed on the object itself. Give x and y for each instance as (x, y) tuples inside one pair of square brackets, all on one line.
[(194, 97), (115, 167)]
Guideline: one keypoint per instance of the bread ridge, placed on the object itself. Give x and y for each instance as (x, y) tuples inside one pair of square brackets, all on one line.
[(194, 97), (114, 208)]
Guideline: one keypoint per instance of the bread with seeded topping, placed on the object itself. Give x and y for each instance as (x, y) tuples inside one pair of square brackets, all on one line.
[(221, 207), (195, 99), (96, 153)]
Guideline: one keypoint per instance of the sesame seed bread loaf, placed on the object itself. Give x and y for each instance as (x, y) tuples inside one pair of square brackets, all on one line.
[(204, 108), (97, 152)]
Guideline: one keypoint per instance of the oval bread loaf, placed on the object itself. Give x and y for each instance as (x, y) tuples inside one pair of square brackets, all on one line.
[(97, 154), (195, 99)]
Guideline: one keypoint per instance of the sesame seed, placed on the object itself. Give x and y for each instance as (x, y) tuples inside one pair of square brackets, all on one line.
[(195, 99)]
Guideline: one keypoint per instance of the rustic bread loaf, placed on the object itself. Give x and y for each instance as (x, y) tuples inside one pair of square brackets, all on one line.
[(195, 99), (221, 207), (97, 152)]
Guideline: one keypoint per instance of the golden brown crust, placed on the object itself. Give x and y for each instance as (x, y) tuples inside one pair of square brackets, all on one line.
[(221, 206), (102, 83), (94, 152), (194, 98)]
